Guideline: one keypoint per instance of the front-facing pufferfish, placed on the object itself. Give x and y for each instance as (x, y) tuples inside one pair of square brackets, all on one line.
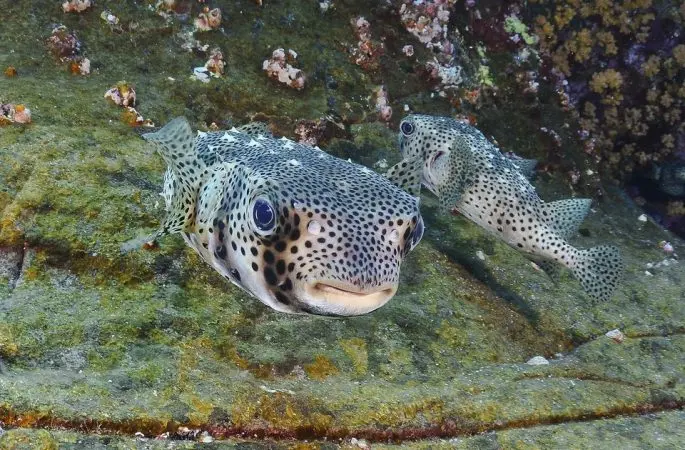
[(302, 231), (470, 175)]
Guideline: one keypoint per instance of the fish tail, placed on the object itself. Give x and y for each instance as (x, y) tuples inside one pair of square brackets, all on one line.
[(599, 270), (176, 143)]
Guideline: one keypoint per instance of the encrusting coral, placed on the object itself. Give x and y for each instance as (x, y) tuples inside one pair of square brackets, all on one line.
[(623, 70)]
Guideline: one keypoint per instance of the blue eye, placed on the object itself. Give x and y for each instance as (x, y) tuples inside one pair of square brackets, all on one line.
[(264, 215), (417, 234), (407, 128)]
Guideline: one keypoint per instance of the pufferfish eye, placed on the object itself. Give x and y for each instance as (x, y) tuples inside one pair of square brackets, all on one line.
[(417, 234), (263, 215), (407, 128)]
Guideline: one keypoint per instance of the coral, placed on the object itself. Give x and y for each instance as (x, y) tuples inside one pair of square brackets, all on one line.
[(279, 67), (367, 52), (80, 66), (208, 19), (76, 6), (513, 24), (309, 132), (10, 113), (214, 67), (10, 72), (676, 208), (679, 54), (621, 67), (325, 5), (484, 76), (170, 8), (449, 75), (606, 80), (429, 21), (606, 39), (109, 18), (216, 64), (133, 118), (22, 114), (121, 95), (652, 66), (62, 44)]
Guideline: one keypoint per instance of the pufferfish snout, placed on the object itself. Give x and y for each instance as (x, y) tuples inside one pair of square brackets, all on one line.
[(313, 257), (302, 231)]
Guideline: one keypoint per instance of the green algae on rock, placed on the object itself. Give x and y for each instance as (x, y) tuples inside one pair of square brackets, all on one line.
[(88, 329), (150, 341), (660, 430)]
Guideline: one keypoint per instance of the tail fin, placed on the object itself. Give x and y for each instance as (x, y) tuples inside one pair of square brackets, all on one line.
[(176, 143), (599, 270), (406, 175)]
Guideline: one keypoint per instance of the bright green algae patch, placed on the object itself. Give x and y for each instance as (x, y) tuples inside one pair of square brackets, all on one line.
[(149, 340)]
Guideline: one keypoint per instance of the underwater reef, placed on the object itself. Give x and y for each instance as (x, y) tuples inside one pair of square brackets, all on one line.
[(148, 347), (620, 66)]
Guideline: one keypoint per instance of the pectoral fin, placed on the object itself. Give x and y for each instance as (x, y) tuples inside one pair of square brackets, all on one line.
[(459, 174), (406, 174)]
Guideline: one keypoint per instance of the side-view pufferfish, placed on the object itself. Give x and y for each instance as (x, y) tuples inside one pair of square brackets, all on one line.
[(470, 175), (302, 231)]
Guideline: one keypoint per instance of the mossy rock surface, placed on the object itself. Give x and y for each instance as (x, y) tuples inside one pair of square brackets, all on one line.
[(658, 431), (100, 340)]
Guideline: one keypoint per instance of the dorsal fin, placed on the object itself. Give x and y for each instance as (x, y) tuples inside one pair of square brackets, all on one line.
[(458, 174), (176, 143), (525, 166), (565, 216), (254, 129), (406, 175)]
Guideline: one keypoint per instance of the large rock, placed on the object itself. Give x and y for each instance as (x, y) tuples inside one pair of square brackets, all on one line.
[(99, 340), (153, 339)]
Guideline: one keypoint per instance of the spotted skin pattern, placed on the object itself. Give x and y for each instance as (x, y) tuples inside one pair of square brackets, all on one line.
[(471, 176), (301, 230)]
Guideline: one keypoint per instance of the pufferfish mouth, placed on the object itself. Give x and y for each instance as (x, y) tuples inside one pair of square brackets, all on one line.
[(345, 299)]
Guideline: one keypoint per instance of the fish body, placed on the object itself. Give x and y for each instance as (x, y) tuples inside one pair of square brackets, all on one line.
[(302, 231), (470, 175)]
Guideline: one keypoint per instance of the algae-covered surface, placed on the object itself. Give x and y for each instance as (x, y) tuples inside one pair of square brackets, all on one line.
[(98, 341), (648, 431)]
